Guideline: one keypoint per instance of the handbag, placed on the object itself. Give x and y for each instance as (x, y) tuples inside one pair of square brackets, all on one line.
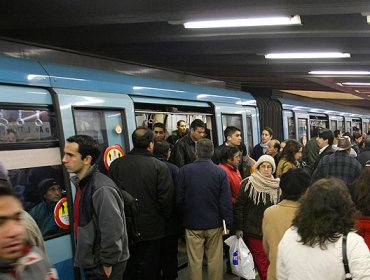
[(348, 275)]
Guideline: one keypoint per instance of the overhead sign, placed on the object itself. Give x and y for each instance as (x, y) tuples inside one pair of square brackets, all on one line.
[(111, 153), (61, 216)]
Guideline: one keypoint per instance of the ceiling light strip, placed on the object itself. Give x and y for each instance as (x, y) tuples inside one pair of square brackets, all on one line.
[(303, 55), (267, 21), (330, 72)]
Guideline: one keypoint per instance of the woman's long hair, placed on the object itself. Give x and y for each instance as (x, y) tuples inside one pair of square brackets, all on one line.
[(361, 192), (326, 212), (291, 148)]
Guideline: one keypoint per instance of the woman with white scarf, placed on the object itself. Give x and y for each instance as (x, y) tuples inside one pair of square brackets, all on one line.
[(257, 192)]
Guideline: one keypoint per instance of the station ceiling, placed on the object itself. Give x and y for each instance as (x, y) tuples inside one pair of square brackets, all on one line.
[(151, 32)]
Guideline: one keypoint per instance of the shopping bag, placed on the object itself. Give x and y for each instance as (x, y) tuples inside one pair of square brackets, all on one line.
[(241, 259)]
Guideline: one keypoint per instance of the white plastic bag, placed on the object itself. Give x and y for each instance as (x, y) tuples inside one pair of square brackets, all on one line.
[(241, 259)]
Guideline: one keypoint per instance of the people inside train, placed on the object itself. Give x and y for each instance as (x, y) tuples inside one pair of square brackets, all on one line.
[(19, 260), (184, 149), (261, 148), (324, 141), (98, 207), (43, 213), (273, 149), (278, 218), (204, 195), (257, 192), (289, 158), (361, 197), (169, 244), (149, 180), (159, 131), (365, 155), (357, 143), (10, 136), (304, 253), (339, 164), (33, 234), (310, 152), (178, 133)]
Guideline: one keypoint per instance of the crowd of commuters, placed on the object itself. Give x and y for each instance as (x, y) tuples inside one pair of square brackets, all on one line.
[(293, 204)]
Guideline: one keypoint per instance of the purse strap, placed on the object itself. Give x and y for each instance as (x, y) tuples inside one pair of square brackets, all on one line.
[(348, 275)]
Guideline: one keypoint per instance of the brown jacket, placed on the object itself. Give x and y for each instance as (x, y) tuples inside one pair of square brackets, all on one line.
[(276, 220)]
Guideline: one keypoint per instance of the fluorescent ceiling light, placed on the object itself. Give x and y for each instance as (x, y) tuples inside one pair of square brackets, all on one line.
[(244, 22), (307, 55), (329, 72), (355, 84), (368, 19)]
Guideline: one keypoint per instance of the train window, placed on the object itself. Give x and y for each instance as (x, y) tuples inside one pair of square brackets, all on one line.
[(291, 128), (333, 125), (302, 130), (26, 124), (249, 133), (357, 123), (348, 126), (232, 120)]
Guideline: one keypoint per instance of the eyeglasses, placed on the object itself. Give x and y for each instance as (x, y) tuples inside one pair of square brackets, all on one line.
[(266, 166)]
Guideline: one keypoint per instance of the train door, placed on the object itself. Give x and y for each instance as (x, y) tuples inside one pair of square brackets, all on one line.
[(336, 123), (348, 125), (106, 117), (289, 127), (30, 148), (357, 123), (318, 121)]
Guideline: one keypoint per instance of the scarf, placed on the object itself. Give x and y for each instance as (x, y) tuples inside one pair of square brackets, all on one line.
[(264, 146), (260, 186)]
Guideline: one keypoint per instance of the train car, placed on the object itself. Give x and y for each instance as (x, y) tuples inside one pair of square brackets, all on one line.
[(42, 104)]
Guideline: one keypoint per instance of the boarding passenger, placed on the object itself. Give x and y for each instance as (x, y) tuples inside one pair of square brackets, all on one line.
[(312, 247), (184, 149), (99, 219), (148, 180), (340, 164), (361, 197), (289, 158), (233, 138), (324, 141), (43, 213), (169, 244), (19, 260), (365, 155), (357, 143), (177, 134), (278, 218), (257, 192), (273, 149), (159, 131), (261, 148), (310, 152), (337, 134), (204, 195)]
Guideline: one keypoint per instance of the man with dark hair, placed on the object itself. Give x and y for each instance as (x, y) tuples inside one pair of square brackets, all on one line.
[(233, 138), (148, 180), (324, 141), (178, 133), (99, 220), (204, 195), (184, 149), (19, 260), (159, 130), (169, 246), (310, 152), (357, 142), (365, 155)]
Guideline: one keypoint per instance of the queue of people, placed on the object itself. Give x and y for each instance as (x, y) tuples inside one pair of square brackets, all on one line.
[(290, 214)]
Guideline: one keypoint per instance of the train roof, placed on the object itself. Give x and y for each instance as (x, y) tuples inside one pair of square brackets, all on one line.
[(43, 74)]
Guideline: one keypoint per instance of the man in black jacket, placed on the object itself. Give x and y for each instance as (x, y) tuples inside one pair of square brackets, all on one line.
[(324, 141), (149, 180), (184, 149)]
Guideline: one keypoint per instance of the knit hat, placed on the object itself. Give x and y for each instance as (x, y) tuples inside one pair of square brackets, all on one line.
[(45, 184), (294, 183), (266, 158)]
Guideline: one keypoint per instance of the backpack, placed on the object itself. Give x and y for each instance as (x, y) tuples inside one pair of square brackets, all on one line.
[(132, 210)]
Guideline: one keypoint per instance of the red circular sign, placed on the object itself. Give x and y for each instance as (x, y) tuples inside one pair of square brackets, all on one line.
[(61, 216), (111, 153)]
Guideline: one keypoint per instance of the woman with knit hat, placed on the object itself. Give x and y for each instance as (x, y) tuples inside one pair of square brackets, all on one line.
[(257, 192)]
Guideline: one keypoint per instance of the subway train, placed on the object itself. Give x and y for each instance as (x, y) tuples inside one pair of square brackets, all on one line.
[(42, 104)]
